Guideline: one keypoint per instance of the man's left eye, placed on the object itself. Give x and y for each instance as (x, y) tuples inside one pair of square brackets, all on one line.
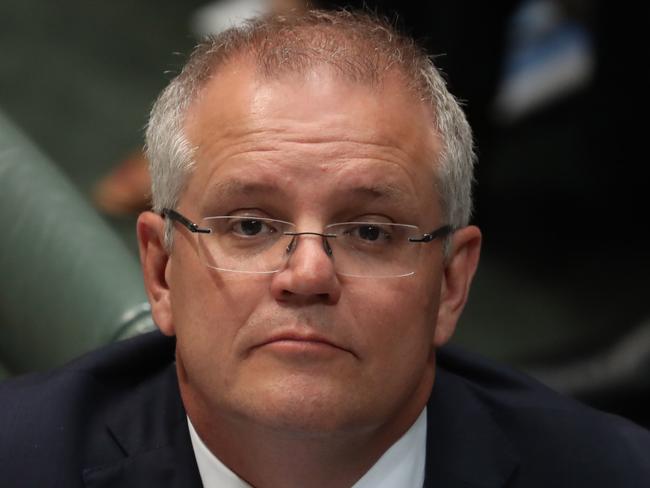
[(370, 232)]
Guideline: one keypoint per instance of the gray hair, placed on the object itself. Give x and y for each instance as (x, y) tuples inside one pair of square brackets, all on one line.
[(358, 46)]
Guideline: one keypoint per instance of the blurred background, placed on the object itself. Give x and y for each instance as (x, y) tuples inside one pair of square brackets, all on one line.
[(549, 86)]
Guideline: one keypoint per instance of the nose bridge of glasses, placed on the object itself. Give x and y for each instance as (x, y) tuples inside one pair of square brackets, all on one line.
[(293, 243)]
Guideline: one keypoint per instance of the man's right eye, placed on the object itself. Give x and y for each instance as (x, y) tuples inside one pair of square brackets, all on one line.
[(251, 227)]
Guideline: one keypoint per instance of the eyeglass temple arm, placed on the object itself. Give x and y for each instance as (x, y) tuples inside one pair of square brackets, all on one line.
[(443, 231), (191, 226)]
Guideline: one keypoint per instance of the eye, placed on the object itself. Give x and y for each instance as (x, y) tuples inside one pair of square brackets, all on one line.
[(369, 232), (375, 233), (252, 227)]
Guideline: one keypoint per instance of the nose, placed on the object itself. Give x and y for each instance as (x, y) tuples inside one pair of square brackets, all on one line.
[(308, 275)]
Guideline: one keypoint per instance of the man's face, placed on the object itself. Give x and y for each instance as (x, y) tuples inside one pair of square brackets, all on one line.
[(304, 349)]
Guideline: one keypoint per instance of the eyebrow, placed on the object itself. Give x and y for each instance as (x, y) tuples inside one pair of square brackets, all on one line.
[(232, 188), (381, 191)]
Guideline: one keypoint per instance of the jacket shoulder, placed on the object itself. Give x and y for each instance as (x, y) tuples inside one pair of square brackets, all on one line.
[(557, 439), (52, 422)]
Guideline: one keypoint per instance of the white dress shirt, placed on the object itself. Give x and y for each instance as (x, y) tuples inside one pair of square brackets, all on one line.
[(401, 466)]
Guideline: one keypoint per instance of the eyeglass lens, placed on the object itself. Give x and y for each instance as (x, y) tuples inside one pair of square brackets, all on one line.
[(261, 245)]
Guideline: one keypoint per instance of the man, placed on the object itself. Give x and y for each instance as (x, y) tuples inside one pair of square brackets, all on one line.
[(307, 255)]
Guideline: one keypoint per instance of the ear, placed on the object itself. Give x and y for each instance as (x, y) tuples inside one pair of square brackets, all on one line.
[(155, 263), (459, 271)]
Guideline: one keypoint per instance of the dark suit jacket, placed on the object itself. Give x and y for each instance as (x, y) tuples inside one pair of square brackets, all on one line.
[(114, 418)]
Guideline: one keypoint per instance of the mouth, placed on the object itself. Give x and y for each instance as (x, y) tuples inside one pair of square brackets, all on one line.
[(293, 343)]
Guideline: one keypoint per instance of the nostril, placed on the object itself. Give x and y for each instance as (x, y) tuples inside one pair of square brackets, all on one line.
[(316, 298)]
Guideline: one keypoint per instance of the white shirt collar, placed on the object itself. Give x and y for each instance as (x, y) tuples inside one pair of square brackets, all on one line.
[(401, 466), (214, 474)]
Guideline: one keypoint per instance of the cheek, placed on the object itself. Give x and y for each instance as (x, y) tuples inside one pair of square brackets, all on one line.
[(395, 318), (209, 309), (209, 319), (396, 326)]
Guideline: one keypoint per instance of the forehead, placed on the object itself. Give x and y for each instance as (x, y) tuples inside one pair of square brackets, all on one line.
[(306, 127)]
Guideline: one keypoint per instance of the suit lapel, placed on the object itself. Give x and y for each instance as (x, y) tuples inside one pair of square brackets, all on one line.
[(150, 428), (465, 447)]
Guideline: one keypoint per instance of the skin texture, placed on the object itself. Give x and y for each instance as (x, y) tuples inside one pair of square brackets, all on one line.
[(305, 377)]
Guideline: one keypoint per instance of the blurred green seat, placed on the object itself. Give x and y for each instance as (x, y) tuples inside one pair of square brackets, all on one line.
[(68, 283)]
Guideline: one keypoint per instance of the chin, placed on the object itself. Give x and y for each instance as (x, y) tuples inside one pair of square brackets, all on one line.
[(307, 412), (311, 423)]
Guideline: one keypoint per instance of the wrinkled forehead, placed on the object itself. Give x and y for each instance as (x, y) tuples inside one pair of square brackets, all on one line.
[(242, 120)]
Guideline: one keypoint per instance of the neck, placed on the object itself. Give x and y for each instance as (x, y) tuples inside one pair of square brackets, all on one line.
[(271, 459), (268, 457)]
